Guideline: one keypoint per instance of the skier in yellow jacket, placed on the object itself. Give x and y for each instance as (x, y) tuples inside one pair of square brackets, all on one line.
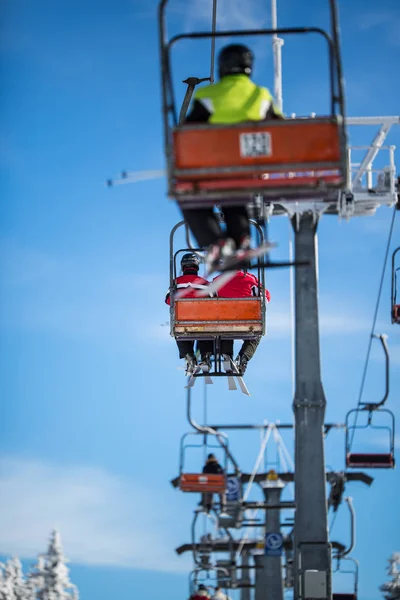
[(233, 99)]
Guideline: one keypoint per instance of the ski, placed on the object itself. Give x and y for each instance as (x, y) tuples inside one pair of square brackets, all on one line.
[(226, 363), (228, 270), (239, 378), (241, 259), (205, 369), (192, 377)]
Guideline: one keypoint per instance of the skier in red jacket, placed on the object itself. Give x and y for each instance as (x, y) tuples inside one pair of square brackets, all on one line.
[(242, 285), (201, 593), (188, 285)]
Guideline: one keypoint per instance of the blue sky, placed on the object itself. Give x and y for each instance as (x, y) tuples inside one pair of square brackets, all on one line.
[(93, 404)]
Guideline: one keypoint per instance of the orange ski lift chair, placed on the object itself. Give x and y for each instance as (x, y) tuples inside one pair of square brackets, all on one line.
[(351, 571), (394, 304), (199, 482), (283, 160), (375, 460), (216, 318)]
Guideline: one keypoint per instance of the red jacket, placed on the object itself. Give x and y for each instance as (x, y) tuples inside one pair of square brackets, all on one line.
[(191, 284), (242, 285)]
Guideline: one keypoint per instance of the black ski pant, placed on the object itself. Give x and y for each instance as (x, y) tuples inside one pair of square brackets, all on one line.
[(205, 227), (249, 347), (208, 498), (187, 347)]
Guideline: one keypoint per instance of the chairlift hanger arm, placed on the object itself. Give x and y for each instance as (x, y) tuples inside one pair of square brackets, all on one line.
[(394, 277), (209, 430), (349, 503), (376, 405)]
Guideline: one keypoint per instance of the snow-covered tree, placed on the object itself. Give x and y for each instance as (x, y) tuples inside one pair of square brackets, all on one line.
[(391, 589), (54, 574), (12, 582), (35, 581)]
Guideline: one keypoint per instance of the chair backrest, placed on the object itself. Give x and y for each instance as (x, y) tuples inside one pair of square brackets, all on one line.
[(273, 157), (233, 317), (199, 482)]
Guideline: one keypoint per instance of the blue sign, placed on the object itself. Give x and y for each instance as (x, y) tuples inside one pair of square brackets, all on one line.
[(273, 544), (233, 489)]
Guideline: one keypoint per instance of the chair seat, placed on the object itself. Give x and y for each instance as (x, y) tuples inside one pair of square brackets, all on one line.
[(231, 317), (370, 461)]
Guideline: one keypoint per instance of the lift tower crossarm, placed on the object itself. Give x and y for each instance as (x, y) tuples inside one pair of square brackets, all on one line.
[(371, 154)]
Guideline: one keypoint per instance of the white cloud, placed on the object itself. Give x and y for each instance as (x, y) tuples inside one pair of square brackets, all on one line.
[(103, 519), (230, 14)]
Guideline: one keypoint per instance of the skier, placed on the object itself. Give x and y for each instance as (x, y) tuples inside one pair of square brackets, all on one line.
[(212, 467), (201, 593), (233, 99), (242, 285), (188, 283), (219, 595)]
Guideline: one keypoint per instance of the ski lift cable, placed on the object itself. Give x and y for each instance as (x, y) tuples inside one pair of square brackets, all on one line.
[(280, 443), (292, 331), (333, 523), (213, 29), (285, 457), (364, 375)]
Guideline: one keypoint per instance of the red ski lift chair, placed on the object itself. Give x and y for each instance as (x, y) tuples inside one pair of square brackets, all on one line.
[(368, 460), (395, 306)]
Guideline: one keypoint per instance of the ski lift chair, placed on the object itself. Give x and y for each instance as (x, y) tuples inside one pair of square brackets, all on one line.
[(216, 319), (200, 482), (375, 460), (283, 160), (214, 576), (394, 304), (353, 572)]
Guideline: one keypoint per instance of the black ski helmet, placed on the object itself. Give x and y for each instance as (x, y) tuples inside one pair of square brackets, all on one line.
[(190, 261), (234, 59)]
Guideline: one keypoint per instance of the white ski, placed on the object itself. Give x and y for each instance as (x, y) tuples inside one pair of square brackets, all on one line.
[(241, 257), (226, 363), (206, 369), (192, 377), (241, 382)]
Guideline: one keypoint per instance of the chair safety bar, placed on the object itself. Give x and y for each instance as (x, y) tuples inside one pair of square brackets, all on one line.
[(218, 316), (194, 482), (370, 461), (279, 159), (344, 597)]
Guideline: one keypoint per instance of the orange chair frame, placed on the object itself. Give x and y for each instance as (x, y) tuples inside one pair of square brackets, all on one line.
[(201, 482), (303, 157), (230, 317)]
